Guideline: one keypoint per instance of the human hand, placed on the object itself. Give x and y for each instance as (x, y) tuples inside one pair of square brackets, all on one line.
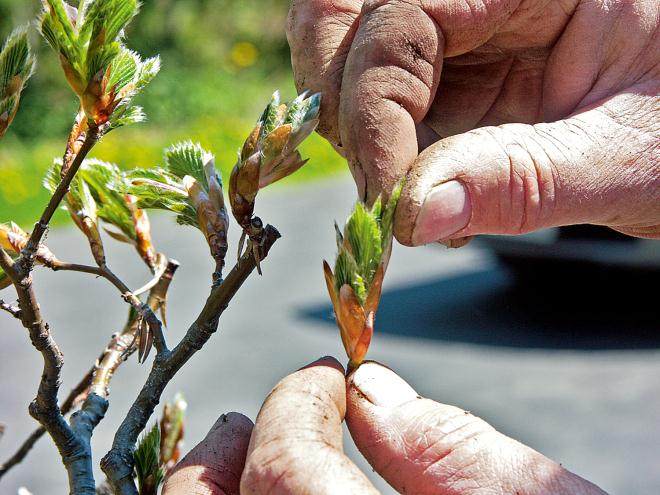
[(418, 445), (533, 113)]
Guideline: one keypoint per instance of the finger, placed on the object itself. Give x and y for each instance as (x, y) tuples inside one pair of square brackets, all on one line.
[(215, 465), (296, 447), (599, 166), (426, 448), (320, 33), (392, 74)]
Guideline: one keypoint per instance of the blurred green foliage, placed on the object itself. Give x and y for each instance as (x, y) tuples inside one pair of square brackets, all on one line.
[(222, 59)]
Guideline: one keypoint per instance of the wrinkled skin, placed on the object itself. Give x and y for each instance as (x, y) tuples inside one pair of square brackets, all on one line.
[(419, 446), (531, 113)]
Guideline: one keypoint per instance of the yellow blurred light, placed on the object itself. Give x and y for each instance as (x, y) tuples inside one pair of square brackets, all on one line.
[(244, 54)]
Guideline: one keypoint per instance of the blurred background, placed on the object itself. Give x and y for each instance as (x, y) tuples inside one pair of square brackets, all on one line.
[(554, 338), (221, 61)]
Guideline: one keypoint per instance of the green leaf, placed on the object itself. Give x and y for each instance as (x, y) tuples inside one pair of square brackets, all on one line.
[(158, 189), (147, 462), (104, 180), (56, 27), (126, 115), (123, 69), (16, 66), (365, 240), (100, 58), (188, 158), (303, 109), (8, 106), (269, 120), (16, 63), (107, 18), (365, 244), (347, 272), (75, 200), (57, 10), (53, 176), (148, 70)]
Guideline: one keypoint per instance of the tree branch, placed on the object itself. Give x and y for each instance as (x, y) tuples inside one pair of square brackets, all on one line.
[(154, 327), (72, 399), (26, 261), (118, 462), (97, 379)]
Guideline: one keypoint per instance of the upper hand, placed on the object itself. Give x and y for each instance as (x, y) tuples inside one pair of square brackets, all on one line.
[(535, 113), (417, 445)]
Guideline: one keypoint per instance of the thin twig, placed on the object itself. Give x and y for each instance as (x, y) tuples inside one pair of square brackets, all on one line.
[(123, 345), (154, 327), (118, 462), (26, 261), (11, 309)]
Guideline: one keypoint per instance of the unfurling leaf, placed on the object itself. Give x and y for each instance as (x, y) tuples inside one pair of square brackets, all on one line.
[(117, 209), (189, 186), (147, 462), (270, 151), (82, 208), (171, 432), (16, 66), (355, 286)]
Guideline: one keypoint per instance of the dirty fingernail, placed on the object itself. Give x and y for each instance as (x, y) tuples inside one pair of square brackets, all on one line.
[(446, 210), (381, 386)]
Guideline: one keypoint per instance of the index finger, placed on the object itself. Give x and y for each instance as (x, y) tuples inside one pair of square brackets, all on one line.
[(392, 74), (390, 80), (296, 445), (320, 33)]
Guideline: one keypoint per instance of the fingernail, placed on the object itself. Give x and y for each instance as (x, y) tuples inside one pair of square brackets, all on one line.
[(381, 386), (446, 210)]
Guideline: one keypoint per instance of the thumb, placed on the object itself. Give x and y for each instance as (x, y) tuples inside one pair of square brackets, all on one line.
[(423, 447), (215, 465), (599, 166)]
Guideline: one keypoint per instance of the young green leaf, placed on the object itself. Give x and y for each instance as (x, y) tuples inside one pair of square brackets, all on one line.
[(190, 159), (16, 66), (147, 462), (82, 208), (104, 180)]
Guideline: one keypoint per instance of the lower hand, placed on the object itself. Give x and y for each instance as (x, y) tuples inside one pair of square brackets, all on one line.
[(418, 445)]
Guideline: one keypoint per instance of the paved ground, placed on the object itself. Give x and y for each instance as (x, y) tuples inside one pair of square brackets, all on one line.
[(580, 385)]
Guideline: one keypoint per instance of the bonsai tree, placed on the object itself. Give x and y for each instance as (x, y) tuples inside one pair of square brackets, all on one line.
[(109, 204)]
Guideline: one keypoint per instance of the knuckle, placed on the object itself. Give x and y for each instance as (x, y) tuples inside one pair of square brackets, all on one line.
[(528, 178)]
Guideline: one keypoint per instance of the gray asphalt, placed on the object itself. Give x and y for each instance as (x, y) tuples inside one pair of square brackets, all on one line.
[(580, 386)]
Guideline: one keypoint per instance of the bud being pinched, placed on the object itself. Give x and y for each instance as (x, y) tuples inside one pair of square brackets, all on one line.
[(189, 186), (16, 67), (355, 287), (270, 152), (171, 432), (101, 71)]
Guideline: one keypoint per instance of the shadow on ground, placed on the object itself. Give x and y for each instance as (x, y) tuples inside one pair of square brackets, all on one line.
[(577, 309)]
